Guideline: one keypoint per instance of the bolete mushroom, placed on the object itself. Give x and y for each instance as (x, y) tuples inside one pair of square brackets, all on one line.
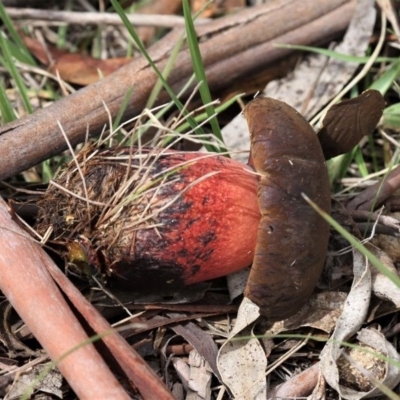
[(153, 219)]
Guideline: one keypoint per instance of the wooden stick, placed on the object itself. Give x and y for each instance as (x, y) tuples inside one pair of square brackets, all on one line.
[(299, 386), (97, 18), (26, 283)]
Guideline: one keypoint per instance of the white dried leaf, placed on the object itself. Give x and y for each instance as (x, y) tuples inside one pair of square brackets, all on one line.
[(50, 383), (242, 362), (199, 384), (382, 286), (377, 340), (237, 282), (390, 244), (353, 315), (366, 369), (320, 312), (236, 138), (183, 371)]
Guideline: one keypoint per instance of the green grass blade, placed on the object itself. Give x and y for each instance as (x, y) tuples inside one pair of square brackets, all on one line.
[(10, 65), (334, 54), (6, 109), (165, 73), (359, 159), (63, 29), (391, 117), (122, 109), (25, 55), (373, 153), (198, 67), (337, 166), (385, 81)]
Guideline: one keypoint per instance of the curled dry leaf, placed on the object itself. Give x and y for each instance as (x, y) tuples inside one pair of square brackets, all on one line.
[(389, 244), (75, 68), (201, 341), (382, 286), (320, 312), (353, 315), (374, 196), (360, 368), (346, 123), (241, 359)]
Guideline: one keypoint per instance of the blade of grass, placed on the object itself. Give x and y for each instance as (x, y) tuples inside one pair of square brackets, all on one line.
[(47, 172), (63, 29), (198, 67), (24, 53), (124, 105), (338, 166), (385, 81), (6, 109), (334, 54), (165, 73), (359, 159), (391, 117), (373, 153), (10, 65)]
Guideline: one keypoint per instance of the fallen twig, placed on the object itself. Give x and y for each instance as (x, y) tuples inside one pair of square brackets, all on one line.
[(97, 18), (25, 282)]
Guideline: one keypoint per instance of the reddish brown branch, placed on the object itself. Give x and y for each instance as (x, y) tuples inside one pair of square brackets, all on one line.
[(25, 282), (299, 386)]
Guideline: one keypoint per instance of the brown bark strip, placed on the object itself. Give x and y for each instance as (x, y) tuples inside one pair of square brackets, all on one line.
[(232, 47), (25, 282)]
